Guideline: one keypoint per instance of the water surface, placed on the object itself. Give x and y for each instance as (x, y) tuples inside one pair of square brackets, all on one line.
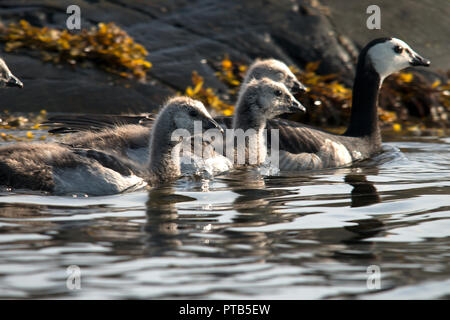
[(243, 235)]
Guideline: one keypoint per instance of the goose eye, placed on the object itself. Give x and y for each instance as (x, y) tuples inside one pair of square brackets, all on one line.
[(193, 113), (278, 93), (398, 49)]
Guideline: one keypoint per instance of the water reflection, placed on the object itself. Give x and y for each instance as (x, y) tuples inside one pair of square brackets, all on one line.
[(256, 205), (242, 235), (364, 192), (162, 222)]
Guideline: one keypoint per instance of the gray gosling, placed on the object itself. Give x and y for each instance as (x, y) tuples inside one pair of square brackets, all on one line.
[(268, 68), (259, 101), (132, 141), (275, 70), (63, 169)]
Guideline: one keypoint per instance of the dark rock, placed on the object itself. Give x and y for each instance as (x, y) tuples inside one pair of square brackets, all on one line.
[(422, 24), (180, 36)]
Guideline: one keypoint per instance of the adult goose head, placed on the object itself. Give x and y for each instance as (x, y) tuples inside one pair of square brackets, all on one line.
[(377, 60), (389, 55), (7, 79), (275, 70)]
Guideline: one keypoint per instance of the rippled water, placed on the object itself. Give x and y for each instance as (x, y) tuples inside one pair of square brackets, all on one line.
[(292, 236)]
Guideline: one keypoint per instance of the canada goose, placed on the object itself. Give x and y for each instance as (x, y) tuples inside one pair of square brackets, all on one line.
[(64, 169), (7, 79)]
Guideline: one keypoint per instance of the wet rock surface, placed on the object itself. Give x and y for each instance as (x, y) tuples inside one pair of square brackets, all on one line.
[(183, 36)]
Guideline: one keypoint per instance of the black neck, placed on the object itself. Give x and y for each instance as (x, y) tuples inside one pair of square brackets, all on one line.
[(364, 116)]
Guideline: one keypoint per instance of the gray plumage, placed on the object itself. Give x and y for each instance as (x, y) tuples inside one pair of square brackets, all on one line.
[(70, 168), (132, 140), (258, 101), (274, 70)]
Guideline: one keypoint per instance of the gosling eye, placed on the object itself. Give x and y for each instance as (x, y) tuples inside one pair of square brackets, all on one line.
[(193, 113), (278, 93), (398, 49)]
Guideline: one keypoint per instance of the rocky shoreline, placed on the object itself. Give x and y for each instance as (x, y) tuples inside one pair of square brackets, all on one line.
[(185, 36)]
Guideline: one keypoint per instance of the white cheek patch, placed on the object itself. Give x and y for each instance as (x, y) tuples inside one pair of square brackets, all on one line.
[(386, 61)]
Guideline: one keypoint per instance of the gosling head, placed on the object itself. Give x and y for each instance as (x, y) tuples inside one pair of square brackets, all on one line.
[(264, 99), (389, 55), (276, 71), (7, 79), (183, 112)]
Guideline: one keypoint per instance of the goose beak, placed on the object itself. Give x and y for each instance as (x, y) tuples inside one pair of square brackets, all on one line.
[(418, 60), (212, 124), (298, 87), (14, 82), (296, 107)]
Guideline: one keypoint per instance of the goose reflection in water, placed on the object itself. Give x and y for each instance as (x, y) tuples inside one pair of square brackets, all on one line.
[(259, 203), (161, 227)]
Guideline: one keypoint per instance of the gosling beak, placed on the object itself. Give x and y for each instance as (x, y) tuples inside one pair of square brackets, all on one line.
[(417, 60), (296, 107), (298, 87), (210, 123), (14, 82)]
